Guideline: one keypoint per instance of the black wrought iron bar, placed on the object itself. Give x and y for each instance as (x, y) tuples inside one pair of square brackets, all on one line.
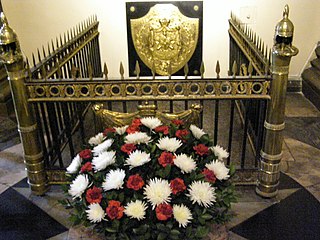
[(216, 122), (245, 134), (231, 122)]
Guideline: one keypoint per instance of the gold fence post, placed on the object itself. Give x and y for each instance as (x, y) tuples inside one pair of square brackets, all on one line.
[(11, 56), (271, 153)]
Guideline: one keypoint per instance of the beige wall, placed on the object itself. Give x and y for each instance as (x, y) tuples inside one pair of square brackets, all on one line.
[(38, 21)]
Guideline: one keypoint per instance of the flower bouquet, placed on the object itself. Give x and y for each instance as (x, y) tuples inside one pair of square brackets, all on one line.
[(151, 181)]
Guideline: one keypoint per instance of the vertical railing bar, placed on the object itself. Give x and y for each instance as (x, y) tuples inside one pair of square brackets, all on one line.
[(231, 121), (262, 115), (68, 129), (245, 134), (201, 114), (216, 122)]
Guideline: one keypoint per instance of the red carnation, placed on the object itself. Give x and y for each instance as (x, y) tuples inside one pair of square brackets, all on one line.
[(177, 185), (136, 122), (164, 211), (177, 122), (201, 149), (132, 129), (163, 129), (128, 148), (209, 175), (87, 167), (166, 158), (181, 134), (85, 154), (108, 130), (94, 195), (114, 210), (135, 182)]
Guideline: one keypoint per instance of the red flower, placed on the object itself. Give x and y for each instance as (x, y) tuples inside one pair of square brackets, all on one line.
[(209, 175), (136, 122), (181, 134), (177, 122), (177, 185), (132, 129), (135, 182), (114, 210), (94, 195), (87, 167), (128, 148), (166, 158), (164, 211), (108, 130), (201, 149), (163, 129), (85, 154)]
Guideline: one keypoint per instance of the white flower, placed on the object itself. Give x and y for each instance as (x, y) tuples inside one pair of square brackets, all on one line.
[(202, 193), (121, 130), (102, 147), (137, 158), (96, 140), (74, 165), (137, 138), (114, 179), (169, 144), (151, 122), (103, 160), (196, 132), (157, 191), (219, 169), (136, 209), (219, 152), (182, 214), (95, 213), (78, 186), (185, 163)]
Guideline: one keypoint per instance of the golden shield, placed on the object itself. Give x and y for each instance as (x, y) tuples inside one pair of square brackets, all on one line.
[(164, 38)]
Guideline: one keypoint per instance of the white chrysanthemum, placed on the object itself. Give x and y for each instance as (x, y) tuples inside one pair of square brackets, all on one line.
[(169, 144), (219, 169), (78, 186), (114, 180), (219, 152), (151, 122), (136, 209), (137, 138), (103, 160), (202, 193), (104, 146), (182, 214), (137, 158), (185, 163), (196, 132), (74, 165), (95, 213), (157, 191), (121, 130), (96, 140)]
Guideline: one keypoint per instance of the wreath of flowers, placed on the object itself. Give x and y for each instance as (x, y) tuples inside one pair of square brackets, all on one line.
[(151, 181)]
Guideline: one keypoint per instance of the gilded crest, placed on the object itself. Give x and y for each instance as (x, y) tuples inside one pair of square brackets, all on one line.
[(164, 38)]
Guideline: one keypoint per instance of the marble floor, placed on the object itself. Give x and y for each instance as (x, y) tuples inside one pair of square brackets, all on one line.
[(293, 214)]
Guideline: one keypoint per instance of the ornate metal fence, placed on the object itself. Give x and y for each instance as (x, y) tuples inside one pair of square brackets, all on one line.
[(76, 53), (56, 99)]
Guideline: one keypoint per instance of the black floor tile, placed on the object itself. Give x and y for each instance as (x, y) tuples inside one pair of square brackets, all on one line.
[(22, 183), (296, 217), (21, 219), (287, 182)]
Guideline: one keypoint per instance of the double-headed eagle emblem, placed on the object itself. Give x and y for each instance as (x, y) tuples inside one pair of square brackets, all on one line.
[(164, 38)]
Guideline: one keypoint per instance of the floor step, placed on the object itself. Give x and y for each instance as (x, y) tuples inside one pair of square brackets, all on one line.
[(311, 85), (318, 51)]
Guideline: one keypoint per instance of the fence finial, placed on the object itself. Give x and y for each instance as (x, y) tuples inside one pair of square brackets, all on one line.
[(105, 71), (218, 69), (186, 70), (153, 71), (121, 71), (137, 69), (250, 69), (90, 71), (170, 70), (234, 69), (202, 69)]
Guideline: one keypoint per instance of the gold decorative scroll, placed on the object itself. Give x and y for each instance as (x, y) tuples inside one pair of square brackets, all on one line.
[(164, 38)]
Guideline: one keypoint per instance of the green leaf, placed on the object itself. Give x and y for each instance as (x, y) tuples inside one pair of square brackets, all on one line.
[(202, 231), (167, 170), (162, 236), (232, 169), (153, 149), (206, 216), (111, 230), (162, 227), (174, 232), (141, 230)]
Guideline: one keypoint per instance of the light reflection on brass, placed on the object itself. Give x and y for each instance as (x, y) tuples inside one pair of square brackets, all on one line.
[(164, 38)]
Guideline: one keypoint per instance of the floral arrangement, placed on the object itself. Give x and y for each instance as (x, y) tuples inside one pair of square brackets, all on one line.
[(151, 181)]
